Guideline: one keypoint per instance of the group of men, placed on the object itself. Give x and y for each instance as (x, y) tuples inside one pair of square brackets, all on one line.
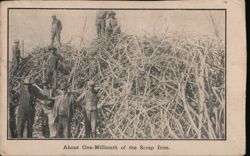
[(58, 110), (57, 102), (107, 23), (56, 29)]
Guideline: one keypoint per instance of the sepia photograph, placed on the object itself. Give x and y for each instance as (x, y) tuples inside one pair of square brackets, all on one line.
[(116, 73), (122, 78)]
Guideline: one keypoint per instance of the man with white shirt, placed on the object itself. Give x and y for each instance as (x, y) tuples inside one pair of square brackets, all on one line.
[(90, 101)]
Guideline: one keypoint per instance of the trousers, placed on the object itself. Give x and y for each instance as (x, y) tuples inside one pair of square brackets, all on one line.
[(12, 122), (40, 125), (25, 116), (63, 127), (100, 27), (51, 78), (52, 127), (90, 123), (57, 35)]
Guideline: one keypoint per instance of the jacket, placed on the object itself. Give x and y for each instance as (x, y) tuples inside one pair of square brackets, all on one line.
[(27, 99), (52, 62), (90, 99), (64, 105), (112, 25), (56, 26)]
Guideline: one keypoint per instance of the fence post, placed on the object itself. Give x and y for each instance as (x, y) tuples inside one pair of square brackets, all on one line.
[(22, 48)]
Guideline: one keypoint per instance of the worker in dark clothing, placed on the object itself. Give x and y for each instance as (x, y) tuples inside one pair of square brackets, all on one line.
[(100, 22), (26, 108), (56, 30), (51, 68), (90, 101), (64, 112), (112, 25), (16, 56), (12, 116)]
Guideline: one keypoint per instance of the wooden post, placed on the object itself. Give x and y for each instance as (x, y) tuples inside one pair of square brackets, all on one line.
[(43, 67), (22, 48)]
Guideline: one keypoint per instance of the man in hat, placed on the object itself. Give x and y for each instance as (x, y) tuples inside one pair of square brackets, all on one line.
[(90, 101), (26, 110), (56, 30), (100, 22), (52, 67), (112, 25), (63, 111), (16, 56)]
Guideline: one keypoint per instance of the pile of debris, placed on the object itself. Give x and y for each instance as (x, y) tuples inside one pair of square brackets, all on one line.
[(152, 87)]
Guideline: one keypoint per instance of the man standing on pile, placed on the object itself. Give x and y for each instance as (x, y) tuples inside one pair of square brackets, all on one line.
[(90, 102), (26, 110), (16, 55), (112, 25), (52, 67), (100, 22), (63, 112), (56, 30)]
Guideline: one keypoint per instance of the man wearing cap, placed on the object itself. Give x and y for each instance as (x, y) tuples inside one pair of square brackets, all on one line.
[(100, 22), (56, 30), (112, 25), (26, 110), (16, 55), (52, 67), (63, 111), (90, 101)]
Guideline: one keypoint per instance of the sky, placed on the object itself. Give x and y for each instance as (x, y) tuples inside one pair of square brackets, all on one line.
[(33, 26)]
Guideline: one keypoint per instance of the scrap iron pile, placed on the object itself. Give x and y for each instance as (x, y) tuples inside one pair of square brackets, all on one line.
[(152, 87)]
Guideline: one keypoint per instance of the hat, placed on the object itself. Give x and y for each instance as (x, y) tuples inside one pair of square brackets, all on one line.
[(53, 49), (111, 13), (91, 83), (16, 41), (28, 81)]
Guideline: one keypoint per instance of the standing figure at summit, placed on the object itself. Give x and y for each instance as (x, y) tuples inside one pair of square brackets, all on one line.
[(101, 22), (112, 25), (56, 30)]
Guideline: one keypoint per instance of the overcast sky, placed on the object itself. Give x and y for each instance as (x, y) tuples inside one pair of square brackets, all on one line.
[(33, 26)]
